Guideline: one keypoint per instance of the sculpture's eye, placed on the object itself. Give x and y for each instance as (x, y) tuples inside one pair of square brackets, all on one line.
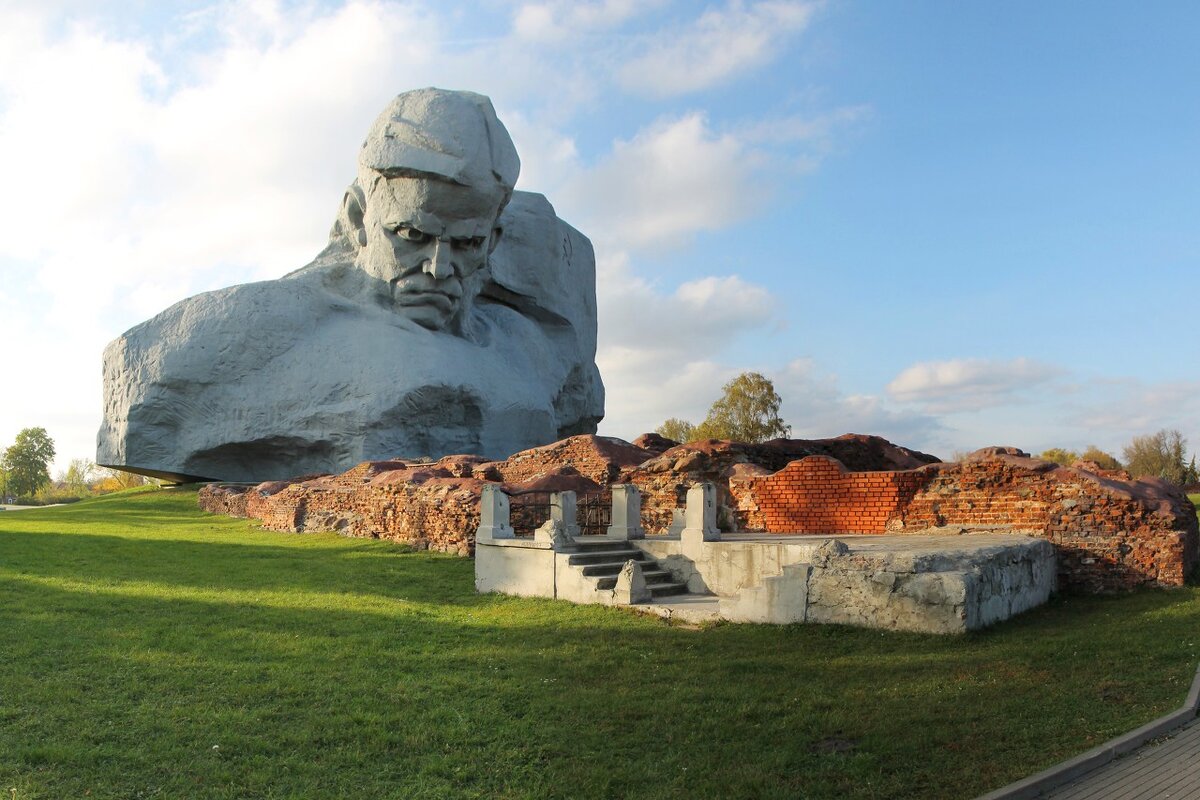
[(467, 242), (411, 234)]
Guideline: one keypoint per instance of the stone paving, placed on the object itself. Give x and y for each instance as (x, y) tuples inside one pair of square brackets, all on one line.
[(1167, 768)]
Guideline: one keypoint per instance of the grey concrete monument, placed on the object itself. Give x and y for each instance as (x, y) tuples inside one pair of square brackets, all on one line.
[(448, 314)]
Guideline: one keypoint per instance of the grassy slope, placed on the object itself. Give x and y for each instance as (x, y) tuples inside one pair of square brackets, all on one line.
[(150, 650)]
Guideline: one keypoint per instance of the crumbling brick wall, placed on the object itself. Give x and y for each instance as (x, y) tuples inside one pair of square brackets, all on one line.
[(818, 495), (437, 513), (1111, 534), (599, 459), (224, 498)]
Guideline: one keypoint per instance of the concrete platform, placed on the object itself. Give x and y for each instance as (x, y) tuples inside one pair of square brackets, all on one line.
[(928, 583), (946, 583)]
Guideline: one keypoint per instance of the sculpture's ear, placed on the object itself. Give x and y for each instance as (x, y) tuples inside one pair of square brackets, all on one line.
[(349, 225), (496, 232), (354, 203)]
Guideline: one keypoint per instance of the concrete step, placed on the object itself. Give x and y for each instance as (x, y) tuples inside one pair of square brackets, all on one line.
[(666, 589), (582, 543), (658, 577), (613, 567), (689, 608), (609, 556)]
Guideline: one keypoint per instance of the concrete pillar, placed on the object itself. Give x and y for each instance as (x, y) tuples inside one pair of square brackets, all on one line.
[(678, 523), (700, 516), (626, 512), (493, 515), (564, 511)]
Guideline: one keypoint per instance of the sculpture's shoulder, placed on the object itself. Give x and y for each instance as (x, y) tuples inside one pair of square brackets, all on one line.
[(253, 319)]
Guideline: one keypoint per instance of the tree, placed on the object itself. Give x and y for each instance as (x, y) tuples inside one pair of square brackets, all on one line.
[(1100, 458), (114, 480), (748, 411), (27, 462), (677, 430), (78, 478), (1158, 456), (1060, 456)]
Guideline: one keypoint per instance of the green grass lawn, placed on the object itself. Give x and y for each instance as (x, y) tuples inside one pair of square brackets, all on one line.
[(148, 650)]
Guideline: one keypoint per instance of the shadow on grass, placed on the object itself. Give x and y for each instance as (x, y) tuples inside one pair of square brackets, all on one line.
[(120, 672), (379, 568)]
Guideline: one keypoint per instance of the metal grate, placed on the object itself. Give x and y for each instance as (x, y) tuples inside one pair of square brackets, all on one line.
[(595, 513), (529, 510)]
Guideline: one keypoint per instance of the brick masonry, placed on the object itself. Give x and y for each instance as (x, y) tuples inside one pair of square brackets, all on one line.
[(818, 495), (1112, 533)]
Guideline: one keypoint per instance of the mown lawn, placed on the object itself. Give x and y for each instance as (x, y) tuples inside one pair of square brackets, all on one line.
[(150, 650)]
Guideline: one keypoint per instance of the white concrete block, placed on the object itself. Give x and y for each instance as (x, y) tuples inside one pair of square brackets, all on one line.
[(631, 585), (626, 520), (700, 516), (493, 515)]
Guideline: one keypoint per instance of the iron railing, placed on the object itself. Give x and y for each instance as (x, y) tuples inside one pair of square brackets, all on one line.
[(528, 510)]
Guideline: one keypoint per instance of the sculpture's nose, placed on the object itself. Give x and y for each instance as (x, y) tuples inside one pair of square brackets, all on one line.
[(438, 265)]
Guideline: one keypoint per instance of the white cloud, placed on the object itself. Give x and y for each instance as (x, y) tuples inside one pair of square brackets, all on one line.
[(968, 384), (674, 178), (720, 44), (559, 21), (817, 408), (692, 321), (658, 348), (1119, 409)]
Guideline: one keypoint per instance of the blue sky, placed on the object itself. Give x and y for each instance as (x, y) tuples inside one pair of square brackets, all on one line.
[(951, 224)]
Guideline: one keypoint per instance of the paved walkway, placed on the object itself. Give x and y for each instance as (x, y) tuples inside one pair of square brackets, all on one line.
[(1168, 768)]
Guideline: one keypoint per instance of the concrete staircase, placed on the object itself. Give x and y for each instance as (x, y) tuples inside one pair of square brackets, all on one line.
[(601, 560)]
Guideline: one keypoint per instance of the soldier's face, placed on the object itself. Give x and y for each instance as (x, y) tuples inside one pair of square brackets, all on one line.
[(427, 239)]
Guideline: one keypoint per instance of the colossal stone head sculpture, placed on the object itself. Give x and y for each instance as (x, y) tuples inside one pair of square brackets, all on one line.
[(434, 173), (448, 314)]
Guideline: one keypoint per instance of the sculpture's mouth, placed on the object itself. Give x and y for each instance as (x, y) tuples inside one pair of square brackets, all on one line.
[(439, 300)]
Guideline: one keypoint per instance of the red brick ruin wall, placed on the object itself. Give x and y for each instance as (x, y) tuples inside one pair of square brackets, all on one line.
[(437, 515), (818, 495), (1111, 534)]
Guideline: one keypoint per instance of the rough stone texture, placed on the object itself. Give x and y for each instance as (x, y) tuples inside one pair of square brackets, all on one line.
[(949, 587), (403, 339), (935, 584)]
